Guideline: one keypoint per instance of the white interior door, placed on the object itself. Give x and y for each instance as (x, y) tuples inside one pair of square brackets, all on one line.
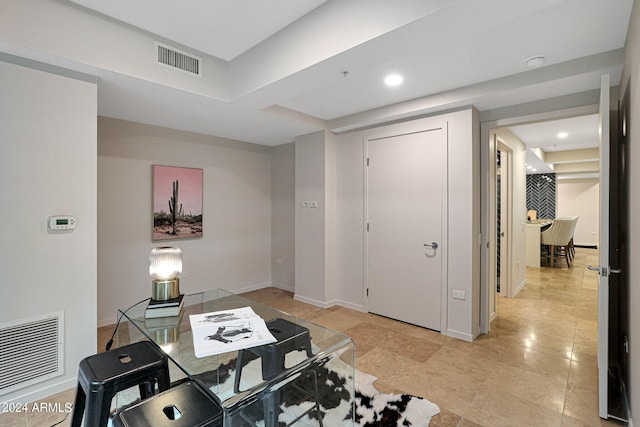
[(603, 246), (405, 247)]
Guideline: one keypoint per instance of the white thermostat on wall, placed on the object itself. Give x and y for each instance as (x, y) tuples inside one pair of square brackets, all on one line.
[(62, 222)]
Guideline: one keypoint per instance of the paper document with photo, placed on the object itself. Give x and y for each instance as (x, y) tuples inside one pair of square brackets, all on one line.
[(228, 330)]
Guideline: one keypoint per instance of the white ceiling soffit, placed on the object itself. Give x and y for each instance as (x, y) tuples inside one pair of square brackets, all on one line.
[(563, 177), (535, 165), (284, 78), (464, 44), (220, 28), (581, 133)]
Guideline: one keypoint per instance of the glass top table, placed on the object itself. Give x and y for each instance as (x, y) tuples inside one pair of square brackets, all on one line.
[(216, 373)]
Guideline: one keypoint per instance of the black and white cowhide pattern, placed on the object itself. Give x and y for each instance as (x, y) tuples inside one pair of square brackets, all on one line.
[(376, 409), (335, 384)]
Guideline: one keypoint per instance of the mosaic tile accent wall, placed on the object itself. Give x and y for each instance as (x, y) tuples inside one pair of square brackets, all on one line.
[(541, 194)]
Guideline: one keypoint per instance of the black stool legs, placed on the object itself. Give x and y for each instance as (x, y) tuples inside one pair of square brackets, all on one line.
[(290, 337), (103, 375)]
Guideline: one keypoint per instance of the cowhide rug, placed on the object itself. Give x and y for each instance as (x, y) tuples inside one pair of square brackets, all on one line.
[(335, 382)]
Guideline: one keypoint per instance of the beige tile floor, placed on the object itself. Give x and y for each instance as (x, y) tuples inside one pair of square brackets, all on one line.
[(537, 367)]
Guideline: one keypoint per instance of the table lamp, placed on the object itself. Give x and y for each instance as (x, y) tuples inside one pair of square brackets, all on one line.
[(165, 266)]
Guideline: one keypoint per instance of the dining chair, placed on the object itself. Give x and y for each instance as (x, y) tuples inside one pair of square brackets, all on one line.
[(557, 239)]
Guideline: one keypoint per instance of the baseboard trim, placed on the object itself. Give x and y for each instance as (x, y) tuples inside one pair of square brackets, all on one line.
[(462, 335), (352, 306), (249, 288), (106, 322), (312, 301), (288, 288), (112, 320), (519, 288), (328, 304)]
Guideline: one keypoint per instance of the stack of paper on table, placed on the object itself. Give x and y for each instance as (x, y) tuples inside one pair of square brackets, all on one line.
[(228, 330)]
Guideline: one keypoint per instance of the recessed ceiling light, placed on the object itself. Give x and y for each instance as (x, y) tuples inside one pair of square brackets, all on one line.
[(536, 61), (529, 167), (563, 135), (534, 169), (393, 80)]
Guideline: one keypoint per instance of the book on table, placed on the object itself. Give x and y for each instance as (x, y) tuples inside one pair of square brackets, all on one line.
[(173, 302), (228, 330), (164, 308)]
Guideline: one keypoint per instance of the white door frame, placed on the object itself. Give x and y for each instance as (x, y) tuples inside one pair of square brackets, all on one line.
[(506, 270), (488, 202), (417, 127), (603, 247)]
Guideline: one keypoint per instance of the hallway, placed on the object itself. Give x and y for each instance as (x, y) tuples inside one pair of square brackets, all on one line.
[(537, 367)]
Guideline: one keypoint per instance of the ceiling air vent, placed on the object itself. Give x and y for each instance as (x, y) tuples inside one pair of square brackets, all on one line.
[(178, 60)]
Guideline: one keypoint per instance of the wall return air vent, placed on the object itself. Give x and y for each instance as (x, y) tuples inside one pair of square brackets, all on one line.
[(32, 351), (176, 59)]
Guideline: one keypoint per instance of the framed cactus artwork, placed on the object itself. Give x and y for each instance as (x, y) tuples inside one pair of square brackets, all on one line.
[(177, 203)]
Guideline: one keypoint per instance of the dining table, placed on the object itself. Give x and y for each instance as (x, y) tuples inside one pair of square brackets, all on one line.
[(216, 373)]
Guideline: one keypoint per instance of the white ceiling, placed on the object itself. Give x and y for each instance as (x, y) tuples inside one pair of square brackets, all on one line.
[(582, 133), (281, 62), (220, 28)]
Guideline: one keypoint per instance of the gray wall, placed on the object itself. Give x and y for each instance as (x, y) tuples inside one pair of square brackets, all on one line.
[(283, 216), (235, 250)]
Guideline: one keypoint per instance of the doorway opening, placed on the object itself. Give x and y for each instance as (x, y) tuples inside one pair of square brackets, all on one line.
[(490, 149), (496, 138)]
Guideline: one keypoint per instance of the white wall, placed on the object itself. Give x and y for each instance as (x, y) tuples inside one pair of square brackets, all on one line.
[(631, 76), (580, 197), (463, 317), (283, 216), (310, 226), (235, 251), (316, 180), (331, 220), (351, 219), (48, 167)]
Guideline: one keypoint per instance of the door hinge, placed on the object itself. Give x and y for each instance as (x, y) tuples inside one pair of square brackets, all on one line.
[(367, 227), (367, 161), (367, 291)]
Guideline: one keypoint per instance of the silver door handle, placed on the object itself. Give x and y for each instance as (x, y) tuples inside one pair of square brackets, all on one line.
[(605, 271), (433, 245)]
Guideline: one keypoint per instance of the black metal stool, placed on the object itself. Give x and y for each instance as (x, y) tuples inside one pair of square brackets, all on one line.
[(290, 337), (103, 375), (184, 405)]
